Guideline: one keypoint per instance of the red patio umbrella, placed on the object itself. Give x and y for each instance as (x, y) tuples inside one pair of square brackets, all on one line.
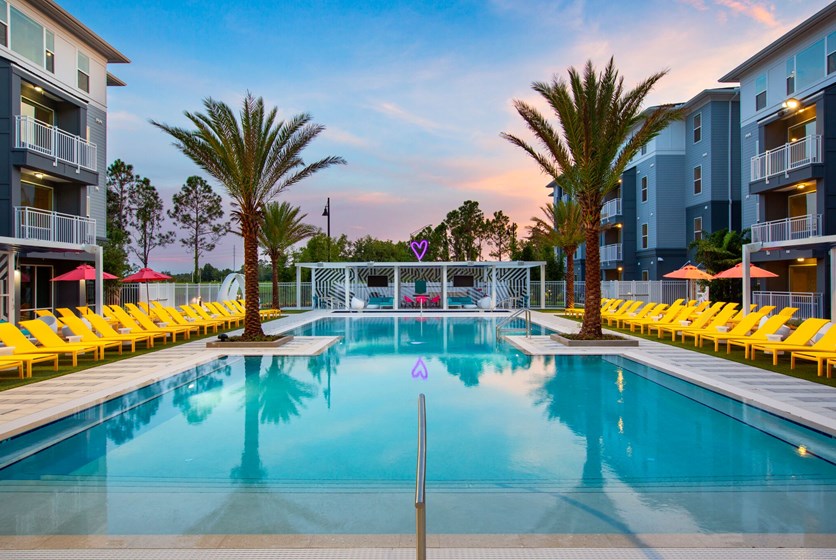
[(146, 275), (82, 272), (737, 272)]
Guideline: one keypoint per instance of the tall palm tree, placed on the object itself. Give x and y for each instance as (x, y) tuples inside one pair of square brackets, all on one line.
[(282, 228), (255, 158), (563, 228), (602, 127)]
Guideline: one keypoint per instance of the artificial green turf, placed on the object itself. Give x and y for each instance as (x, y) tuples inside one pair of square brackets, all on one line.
[(803, 369), (41, 372)]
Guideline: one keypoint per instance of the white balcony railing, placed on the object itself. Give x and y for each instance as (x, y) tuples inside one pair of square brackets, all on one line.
[(786, 158), (809, 304), (611, 208), (611, 253), (788, 229), (32, 223), (54, 143)]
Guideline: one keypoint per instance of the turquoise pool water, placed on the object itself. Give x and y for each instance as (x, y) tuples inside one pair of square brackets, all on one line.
[(327, 445)]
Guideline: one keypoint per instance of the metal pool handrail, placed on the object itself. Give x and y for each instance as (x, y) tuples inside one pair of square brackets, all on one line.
[(514, 315), (420, 483)]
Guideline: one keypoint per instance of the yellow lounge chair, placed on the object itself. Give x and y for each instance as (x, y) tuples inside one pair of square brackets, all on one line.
[(669, 316), (266, 314), (165, 317), (685, 314), (107, 331), (10, 335), (129, 322), (741, 329), (87, 335), (700, 321), (28, 360), (721, 319), (771, 326), (10, 362), (625, 311), (222, 311), (181, 320), (798, 340), (818, 356), (146, 323), (197, 312), (649, 310)]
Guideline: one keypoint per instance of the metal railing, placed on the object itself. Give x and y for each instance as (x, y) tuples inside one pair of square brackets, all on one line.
[(54, 143), (786, 158), (611, 253), (421, 483), (33, 223), (809, 304), (502, 324), (611, 208), (799, 227)]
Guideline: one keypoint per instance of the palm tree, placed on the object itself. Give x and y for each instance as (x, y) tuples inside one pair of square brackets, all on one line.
[(282, 228), (602, 128), (563, 228), (255, 158)]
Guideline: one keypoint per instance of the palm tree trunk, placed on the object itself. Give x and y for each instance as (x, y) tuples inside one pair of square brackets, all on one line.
[(252, 320), (591, 327), (570, 277), (274, 260)]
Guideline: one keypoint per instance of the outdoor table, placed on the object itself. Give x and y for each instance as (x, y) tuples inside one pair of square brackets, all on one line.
[(421, 301)]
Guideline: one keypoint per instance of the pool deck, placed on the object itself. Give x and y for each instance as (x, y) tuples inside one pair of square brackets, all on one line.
[(29, 406)]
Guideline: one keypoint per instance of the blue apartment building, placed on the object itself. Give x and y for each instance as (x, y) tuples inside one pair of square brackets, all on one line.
[(53, 130), (682, 185), (788, 164)]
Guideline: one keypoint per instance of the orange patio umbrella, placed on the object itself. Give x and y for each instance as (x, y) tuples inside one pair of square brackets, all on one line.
[(689, 272), (737, 272)]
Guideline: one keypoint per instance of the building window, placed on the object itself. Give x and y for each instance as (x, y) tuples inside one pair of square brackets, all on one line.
[(644, 149), (790, 75), (697, 229), (4, 23), (697, 127), (35, 196), (831, 52), (644, 189), (644, 236), (49, 51), (809, 65), (645, 275), (698, 179), (760, 92), (27, 37), (83, 72)]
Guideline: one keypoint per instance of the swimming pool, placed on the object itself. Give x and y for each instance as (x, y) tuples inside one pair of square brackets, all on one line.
[(516, 444)]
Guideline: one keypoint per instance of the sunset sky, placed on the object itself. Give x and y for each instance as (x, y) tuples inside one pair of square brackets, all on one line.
[(414, 95)]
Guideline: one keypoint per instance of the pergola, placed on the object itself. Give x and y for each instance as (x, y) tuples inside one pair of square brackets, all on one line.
[(507, 283)]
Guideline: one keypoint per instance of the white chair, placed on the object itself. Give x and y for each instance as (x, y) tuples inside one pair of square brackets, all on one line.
[(357, 303)]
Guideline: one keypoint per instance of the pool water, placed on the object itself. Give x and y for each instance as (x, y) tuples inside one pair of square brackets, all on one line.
[(327, 444)]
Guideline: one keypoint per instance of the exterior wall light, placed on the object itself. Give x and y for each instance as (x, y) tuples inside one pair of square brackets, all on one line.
[(791, 103)]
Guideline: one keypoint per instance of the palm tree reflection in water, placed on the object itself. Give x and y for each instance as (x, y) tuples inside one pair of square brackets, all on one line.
[(326, 363), (273, 397)]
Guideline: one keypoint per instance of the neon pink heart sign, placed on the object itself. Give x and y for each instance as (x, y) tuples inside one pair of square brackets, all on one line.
[(420, 369), (419, 248)]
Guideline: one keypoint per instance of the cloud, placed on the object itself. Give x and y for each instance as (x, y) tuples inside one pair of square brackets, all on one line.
[(758, 11), (340, 136), (397, 113)]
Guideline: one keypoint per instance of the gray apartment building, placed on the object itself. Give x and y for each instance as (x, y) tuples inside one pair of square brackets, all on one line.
[(53, 132), (788, 163)]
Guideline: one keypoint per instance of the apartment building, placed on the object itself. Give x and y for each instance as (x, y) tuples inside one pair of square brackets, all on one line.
[(53, 118), (683, 184), (788, 170)]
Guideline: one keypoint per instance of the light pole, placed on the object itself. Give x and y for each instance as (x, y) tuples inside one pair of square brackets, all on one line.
[(327, 214)]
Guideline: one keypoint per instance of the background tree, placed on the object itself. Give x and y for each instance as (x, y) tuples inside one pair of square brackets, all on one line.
[(380, 250), (283, 227), (120, 184), (465, 231), (148, 222), (718, 251), (197, 210), (255, 157), (501, 234), (602, 127), (561, 226)]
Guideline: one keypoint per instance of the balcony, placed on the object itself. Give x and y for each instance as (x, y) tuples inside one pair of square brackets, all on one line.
[(788, 229), (611, 253), (809, 304), (611, 209), (788, 157), (54, 143), (42, 225)]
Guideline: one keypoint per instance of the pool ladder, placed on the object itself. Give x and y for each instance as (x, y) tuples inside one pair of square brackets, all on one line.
[(420, 483), (516, 314)]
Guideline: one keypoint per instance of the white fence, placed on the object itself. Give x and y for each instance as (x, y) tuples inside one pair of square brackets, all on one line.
[(809, 304), (33, 223), (169, 293), (786, 158), (54, 143)]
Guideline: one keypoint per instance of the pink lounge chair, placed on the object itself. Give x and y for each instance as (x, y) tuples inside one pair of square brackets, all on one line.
[(408, 301), (436, 301)]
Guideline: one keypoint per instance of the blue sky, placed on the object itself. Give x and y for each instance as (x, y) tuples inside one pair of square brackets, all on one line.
[(413, 94)]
